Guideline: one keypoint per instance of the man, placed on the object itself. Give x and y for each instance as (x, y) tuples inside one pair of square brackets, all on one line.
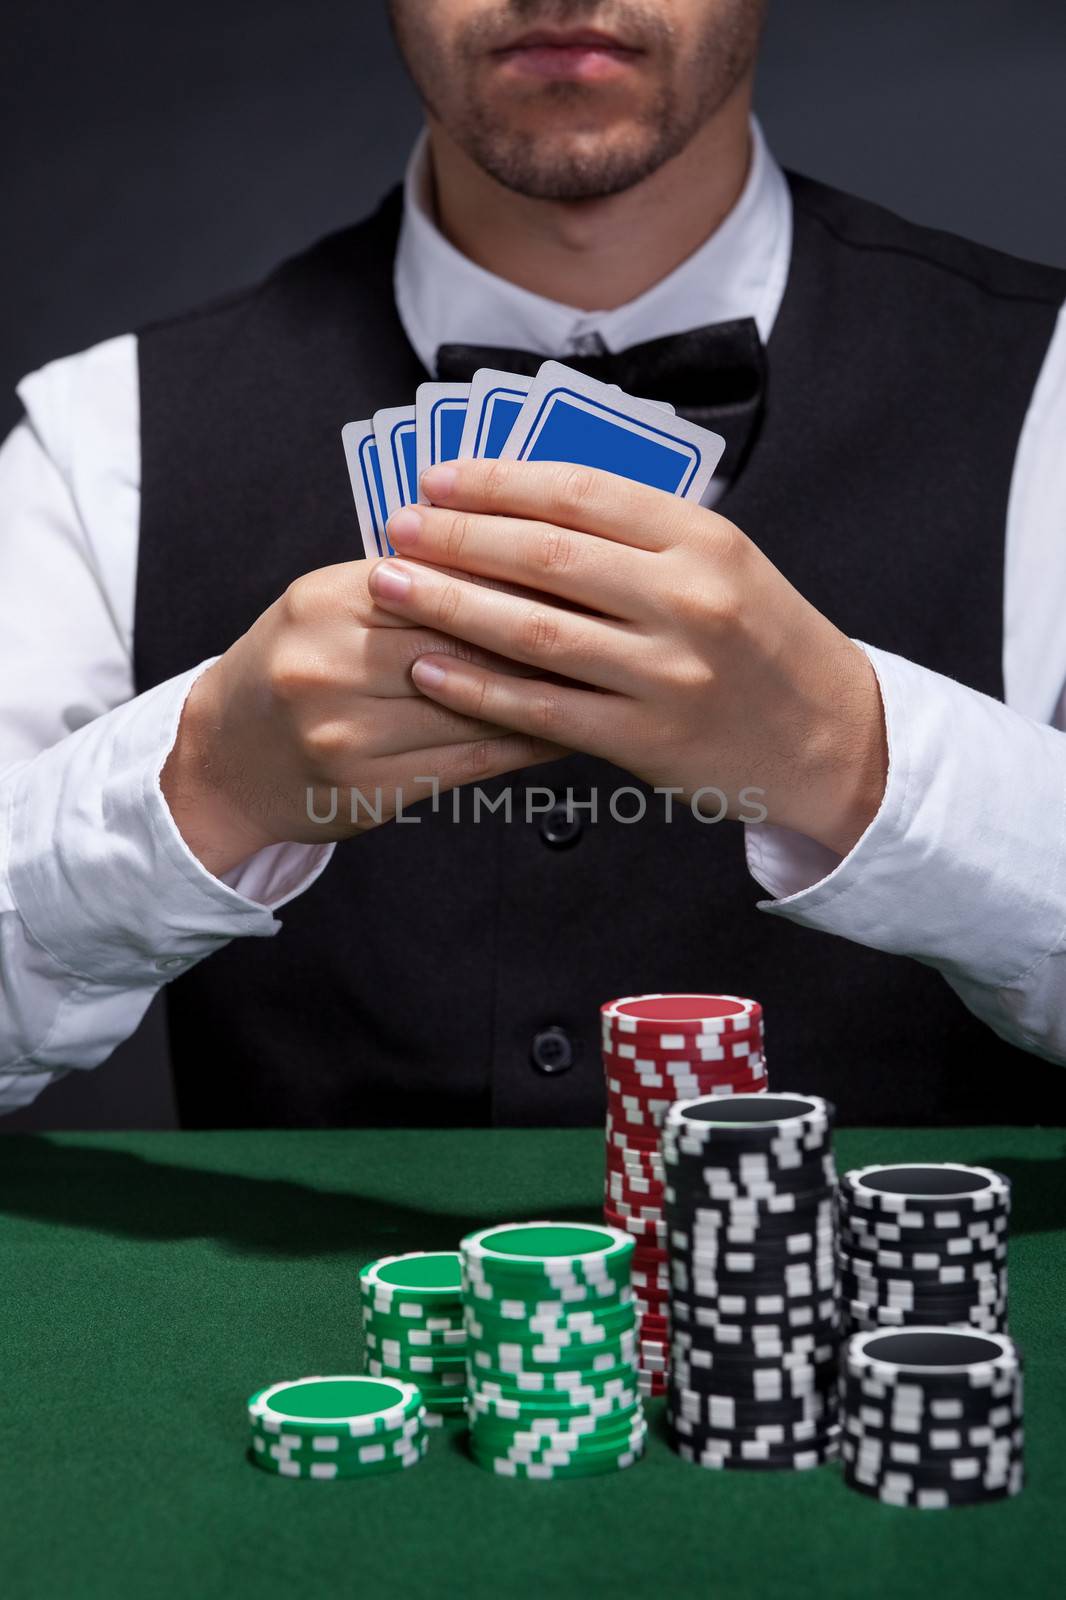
[(893, 402)]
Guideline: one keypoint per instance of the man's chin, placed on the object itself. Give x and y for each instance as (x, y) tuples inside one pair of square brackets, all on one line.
[(579, 163)]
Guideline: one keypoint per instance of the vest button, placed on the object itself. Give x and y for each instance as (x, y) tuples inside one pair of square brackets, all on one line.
[(552, 1052), (560, 828)]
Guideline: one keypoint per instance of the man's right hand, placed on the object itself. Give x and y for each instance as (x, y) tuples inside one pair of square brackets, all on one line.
[(317, 696)]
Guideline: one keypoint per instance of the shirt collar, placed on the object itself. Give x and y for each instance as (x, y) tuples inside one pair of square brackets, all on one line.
[(739, 271)]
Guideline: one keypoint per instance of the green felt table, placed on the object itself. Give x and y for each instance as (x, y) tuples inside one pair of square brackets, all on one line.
[(150, 1282)]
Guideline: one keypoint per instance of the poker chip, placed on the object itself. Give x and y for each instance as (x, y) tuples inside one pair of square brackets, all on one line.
[(658, 1049), (739, 1053), (552, 1347), (634, 1098), (413, 1325), (756, 1455), (560, 1465), (931, 1416), (752, 1279), (672, 1016), (508, 1402), (663, 1070), (337, 1427), (924, 1244), (637, 1102), (623, 1049)]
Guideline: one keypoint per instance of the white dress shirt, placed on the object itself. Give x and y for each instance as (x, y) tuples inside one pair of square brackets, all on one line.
[(101, 902)]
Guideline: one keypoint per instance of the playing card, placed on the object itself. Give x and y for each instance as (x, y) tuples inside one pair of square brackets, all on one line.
[(569, 417), (440, 412), (496, 398), (394, 429), (364, 470)]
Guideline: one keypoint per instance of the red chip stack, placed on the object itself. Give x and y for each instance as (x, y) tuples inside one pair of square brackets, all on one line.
[(658, 1048)]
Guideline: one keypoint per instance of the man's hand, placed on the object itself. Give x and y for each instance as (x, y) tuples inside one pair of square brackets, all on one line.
[(318, 696), (692, 663)]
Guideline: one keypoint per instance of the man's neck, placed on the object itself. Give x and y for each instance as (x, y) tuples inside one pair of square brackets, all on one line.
[(581, 253)]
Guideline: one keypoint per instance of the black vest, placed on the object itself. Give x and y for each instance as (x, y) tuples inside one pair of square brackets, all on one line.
[(407, 985)]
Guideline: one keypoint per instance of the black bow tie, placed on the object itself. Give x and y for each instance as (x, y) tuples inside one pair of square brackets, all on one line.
[(715, 376)]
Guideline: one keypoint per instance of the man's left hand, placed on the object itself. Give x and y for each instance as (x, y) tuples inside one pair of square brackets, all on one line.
[(660, 637)]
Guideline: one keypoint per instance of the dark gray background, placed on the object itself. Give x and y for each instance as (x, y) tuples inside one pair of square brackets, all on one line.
[(158, 155)]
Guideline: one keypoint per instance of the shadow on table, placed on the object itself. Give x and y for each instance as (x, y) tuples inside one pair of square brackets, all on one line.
[(1038, 1190), (115, 1192)]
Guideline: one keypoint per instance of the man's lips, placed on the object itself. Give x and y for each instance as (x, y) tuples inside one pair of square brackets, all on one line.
[(584, 55)]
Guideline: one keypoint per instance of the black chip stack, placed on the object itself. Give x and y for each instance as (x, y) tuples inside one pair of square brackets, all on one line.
[(754, 1315), (924, 1244), (932, 1417)]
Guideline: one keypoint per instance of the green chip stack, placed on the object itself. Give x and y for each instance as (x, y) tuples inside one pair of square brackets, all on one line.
[(414, 1329), (552, 1344), (329, 1428)]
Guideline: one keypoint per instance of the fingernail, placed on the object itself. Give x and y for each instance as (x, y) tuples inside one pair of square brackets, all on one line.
[(438, 482), (427, 674), (390, 582), (403, 527)]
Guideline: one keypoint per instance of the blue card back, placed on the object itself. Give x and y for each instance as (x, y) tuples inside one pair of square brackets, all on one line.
[(568, 426), (446, 429), (498, 416), (404, 447), (374, 489)]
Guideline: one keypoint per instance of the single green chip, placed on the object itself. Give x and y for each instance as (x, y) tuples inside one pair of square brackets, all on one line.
[(501, 1436), (437, 1271), (565, 1325), (566, 1454), (539, 1298), (330, 1398), (590, 1467), (359, 1404), (353, 1451), (576, 1368), (561, 1256), (418, 1359), (548, 1239), (435, 1326), (332, 1472), (510, 1405), (443, 1372)]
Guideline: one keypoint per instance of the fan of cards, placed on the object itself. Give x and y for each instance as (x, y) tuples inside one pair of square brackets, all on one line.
[(559, 415)]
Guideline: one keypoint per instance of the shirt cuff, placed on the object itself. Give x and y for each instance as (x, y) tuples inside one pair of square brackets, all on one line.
[(963, 865), (98, 870)]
